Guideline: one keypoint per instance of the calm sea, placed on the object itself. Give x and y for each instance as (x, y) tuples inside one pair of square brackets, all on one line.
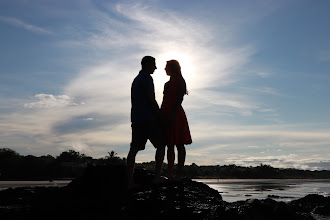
[(284, 190)]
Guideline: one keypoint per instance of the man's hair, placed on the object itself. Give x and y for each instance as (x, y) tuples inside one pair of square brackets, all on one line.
[(146, 60)]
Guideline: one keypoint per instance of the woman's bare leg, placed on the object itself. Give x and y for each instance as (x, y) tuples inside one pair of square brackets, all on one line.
[(170, 161), (181, 159), (130, 166)]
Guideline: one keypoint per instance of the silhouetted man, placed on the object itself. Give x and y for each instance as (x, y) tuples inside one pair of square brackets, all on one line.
[(145, 118)]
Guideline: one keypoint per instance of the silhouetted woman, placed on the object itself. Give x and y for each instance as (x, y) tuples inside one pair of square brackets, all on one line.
[(177, 128)]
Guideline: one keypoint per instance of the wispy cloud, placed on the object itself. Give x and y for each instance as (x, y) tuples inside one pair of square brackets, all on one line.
[(50, 101), (29, 27), (267, 133), (283, 161), (266, 110), (244, 145), (262, 90), (106, 86)]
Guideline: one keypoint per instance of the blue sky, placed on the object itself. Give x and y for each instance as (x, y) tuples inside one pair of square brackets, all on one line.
[(257, 74)]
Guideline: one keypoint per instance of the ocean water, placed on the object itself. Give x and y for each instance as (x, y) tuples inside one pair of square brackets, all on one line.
[(285, 190)]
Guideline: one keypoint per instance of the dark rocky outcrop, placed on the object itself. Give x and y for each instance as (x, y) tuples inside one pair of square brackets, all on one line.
[(102, 193), (312, 203)]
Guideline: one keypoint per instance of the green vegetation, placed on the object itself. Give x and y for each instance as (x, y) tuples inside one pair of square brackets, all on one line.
[(71, 164)]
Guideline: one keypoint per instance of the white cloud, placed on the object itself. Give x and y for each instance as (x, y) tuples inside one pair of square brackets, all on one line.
[(49, 101), (218, 141), (88, 119), (213, 103), (266, 110), (284, 133), (261, 90), (81, 147), (282, 161), (26, 26)]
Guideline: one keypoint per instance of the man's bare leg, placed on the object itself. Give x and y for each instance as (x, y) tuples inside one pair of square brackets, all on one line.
[(130, 166), (159, 157)]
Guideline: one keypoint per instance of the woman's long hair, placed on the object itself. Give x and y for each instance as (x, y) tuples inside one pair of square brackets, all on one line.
[(175, 67)]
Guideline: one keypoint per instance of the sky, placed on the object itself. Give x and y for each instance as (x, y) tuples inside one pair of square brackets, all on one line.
[(257, 72)]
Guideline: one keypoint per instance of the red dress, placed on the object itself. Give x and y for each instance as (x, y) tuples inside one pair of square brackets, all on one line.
[(178, 132)]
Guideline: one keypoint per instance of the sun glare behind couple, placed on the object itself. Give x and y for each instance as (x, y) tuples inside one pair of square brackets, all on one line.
[(160, 77)]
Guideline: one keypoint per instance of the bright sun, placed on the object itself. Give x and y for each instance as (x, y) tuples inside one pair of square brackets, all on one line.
[(160, 77), (187, 68)]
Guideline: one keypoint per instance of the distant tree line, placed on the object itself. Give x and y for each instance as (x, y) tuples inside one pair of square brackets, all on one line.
[(259, 172), (233, 171), (71, 164)]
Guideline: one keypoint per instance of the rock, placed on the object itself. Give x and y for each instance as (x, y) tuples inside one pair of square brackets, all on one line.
[(322, 210), (260, 209), (308, 203), (185, 200)]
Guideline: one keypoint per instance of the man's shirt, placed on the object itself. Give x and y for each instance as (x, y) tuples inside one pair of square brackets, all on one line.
[(141, 107)]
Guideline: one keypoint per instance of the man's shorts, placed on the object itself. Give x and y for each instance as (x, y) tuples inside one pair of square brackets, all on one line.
[(149, 130)]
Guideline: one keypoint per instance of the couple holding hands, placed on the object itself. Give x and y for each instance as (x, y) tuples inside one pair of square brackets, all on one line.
[(164, 126)]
